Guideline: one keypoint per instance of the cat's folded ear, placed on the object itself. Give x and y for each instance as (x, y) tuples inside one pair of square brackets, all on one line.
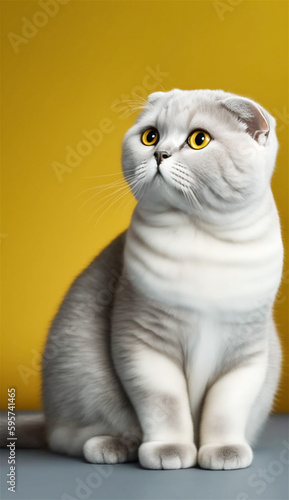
[(249, 113), (152, 98)]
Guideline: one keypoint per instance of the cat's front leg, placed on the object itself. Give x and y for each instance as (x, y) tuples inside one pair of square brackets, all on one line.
[(158, 391), (225, 416)]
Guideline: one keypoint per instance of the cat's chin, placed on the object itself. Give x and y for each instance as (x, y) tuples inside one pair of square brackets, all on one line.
[(160, 196), (159, 179), (157, 206)]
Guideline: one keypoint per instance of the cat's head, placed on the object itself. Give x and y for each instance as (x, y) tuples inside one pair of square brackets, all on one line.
[(204, 152)]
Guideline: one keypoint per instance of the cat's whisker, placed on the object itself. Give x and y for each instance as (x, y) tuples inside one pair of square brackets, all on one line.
[(109, 206), (110, 184), (185, 189), (184, 168), (196, 202), (106, 195), (187, 198), (139, 101), (132, 105), (105, 187), (142, 103), (178, 181), (102, 186), (124, 204), (140, 98), (127, 113), (130, 108), (119, 183), (109, 175), (183, 171), (109, 199), (110, 195), (138, 178), (95, 195), (140, 191), (124, 190)]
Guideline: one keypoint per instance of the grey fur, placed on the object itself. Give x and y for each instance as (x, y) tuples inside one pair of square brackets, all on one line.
[(109, 450), (96, 363)]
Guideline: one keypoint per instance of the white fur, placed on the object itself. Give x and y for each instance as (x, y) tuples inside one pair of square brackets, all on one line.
[(220, 259), (191, 268), (167, 378), (70, 439), (190, 328)]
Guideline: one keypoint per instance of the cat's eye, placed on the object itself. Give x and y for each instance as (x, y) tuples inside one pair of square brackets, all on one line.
[(150, 137), (199, 139)]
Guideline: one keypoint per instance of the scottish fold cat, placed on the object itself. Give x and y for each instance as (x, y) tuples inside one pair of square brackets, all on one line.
[(165, 349)]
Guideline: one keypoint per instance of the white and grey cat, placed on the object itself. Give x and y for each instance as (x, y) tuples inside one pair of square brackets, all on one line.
[(165, 349)]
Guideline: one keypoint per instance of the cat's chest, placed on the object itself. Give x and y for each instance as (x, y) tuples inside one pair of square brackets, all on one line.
[(187, 268)]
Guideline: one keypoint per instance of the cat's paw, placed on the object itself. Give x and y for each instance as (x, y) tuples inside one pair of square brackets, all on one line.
[(108, 450), (157, 455), (217, 457)]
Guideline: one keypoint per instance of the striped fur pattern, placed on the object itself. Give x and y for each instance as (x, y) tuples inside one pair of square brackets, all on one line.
[(166, 349)]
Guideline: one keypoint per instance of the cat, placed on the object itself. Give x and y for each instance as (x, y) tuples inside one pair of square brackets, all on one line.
[(164, 348)]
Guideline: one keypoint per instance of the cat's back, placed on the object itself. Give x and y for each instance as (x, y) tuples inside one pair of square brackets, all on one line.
[(94, 286), (76, 354)]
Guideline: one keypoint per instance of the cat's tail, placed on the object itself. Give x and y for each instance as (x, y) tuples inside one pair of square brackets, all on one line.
[(29, 430)]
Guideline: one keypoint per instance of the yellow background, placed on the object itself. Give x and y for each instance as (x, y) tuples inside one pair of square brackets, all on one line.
[(67, 78)]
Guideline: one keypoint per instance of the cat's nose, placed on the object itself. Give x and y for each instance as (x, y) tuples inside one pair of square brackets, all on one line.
[(161, 155)]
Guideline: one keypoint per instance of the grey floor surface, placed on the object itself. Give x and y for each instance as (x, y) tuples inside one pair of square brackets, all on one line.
[(41, 475)]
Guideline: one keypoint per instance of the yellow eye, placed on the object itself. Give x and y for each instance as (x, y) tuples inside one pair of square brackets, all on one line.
[(199, 139), (150, 137)]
